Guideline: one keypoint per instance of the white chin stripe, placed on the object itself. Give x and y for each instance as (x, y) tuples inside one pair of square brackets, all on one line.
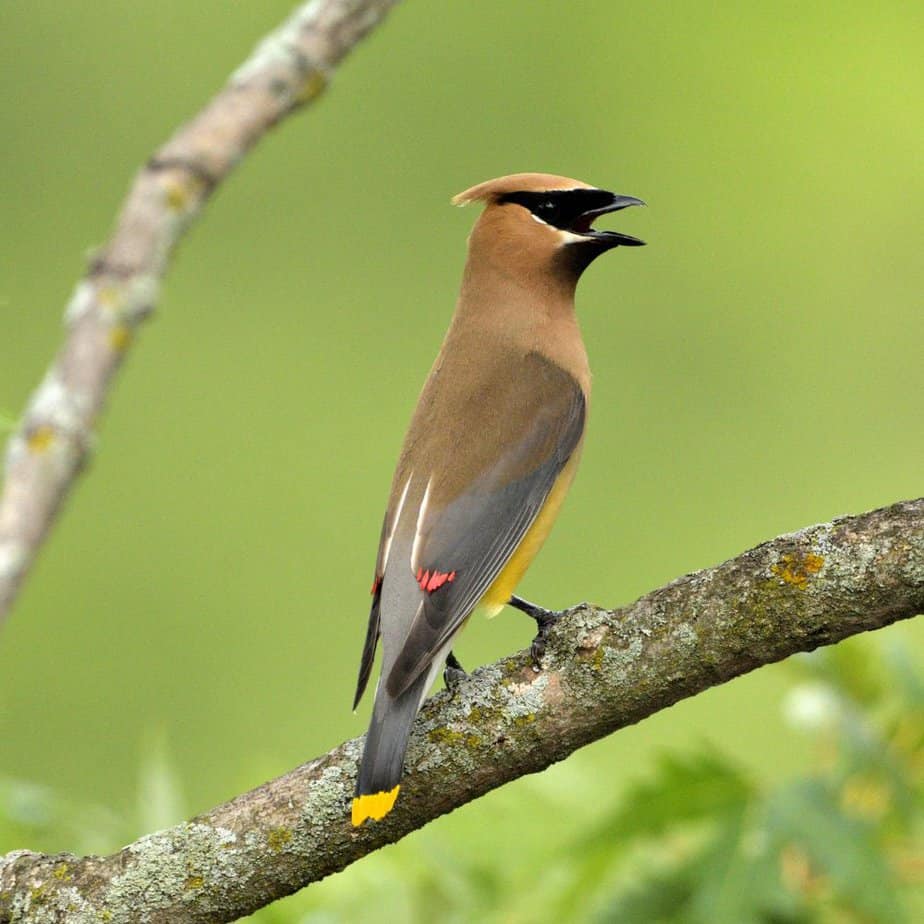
[(564, 237), (569, 237)]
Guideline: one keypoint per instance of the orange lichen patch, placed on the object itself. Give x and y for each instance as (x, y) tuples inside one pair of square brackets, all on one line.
[(796, 569), (177, 196), (183, 192), (278, 839), (312, 87), (120, 336), (41, 438)]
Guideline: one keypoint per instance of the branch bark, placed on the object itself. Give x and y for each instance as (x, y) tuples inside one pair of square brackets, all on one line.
[(289, 69), (603, 670)]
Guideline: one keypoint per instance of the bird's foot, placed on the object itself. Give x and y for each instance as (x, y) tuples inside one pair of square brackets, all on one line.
[(453, 673), (544, 618)]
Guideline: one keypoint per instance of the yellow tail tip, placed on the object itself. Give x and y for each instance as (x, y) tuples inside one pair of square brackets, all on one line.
[(375, 805)]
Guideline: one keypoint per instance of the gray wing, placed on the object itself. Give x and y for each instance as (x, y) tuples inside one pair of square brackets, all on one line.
[(464, 544)]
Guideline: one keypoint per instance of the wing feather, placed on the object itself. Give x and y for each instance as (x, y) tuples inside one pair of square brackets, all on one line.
[(476, 533)]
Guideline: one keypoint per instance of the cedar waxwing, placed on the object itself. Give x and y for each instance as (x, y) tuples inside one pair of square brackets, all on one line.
[(490, 453)]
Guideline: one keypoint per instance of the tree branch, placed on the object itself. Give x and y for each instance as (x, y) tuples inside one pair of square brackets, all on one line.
[(289, 69), (603, 670)]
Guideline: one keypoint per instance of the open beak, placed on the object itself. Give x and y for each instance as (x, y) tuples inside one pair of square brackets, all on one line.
[(584, 223)]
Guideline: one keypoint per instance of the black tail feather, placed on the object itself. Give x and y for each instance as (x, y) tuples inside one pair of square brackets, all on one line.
[(372, 638)]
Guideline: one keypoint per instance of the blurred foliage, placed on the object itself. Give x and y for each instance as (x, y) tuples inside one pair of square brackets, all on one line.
[(843, 842), (757, 367), (698, 840), (32, 814)]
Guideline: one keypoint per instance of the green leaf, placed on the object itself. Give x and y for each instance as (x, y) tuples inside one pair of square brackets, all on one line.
[(842, 849), (658, 900), (722, 883), (684, 789), (905, 673), (738, 882), (702, 787)]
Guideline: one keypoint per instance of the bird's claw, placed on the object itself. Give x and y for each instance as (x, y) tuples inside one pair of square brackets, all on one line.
[(545, 620), (453, 673)]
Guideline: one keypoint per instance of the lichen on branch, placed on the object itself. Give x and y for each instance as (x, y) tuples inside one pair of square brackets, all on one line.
[(602, 670)]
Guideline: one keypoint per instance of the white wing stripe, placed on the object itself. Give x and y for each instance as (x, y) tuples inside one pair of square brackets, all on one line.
[(421, 513), (394, 522)]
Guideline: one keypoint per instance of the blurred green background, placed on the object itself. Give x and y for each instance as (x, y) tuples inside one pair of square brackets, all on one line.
[(758, 367)]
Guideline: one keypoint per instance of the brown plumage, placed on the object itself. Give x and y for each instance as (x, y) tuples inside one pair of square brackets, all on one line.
[(490, 452)]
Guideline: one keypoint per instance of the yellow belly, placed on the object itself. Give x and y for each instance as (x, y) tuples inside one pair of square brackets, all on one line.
[(505, 583)]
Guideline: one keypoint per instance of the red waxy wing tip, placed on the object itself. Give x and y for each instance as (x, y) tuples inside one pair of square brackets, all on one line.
[(434, 580)]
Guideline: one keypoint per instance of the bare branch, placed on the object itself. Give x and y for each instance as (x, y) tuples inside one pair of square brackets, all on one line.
[(289, 69), (604, 670)]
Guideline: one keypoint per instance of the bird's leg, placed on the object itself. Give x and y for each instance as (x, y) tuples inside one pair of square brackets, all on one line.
[(453, 673), (545, 619)]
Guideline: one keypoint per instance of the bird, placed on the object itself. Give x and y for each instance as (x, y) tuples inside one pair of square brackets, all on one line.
[(489, 455)]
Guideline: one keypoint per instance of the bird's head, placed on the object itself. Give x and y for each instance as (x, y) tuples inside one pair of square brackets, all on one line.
[(540, 223)]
